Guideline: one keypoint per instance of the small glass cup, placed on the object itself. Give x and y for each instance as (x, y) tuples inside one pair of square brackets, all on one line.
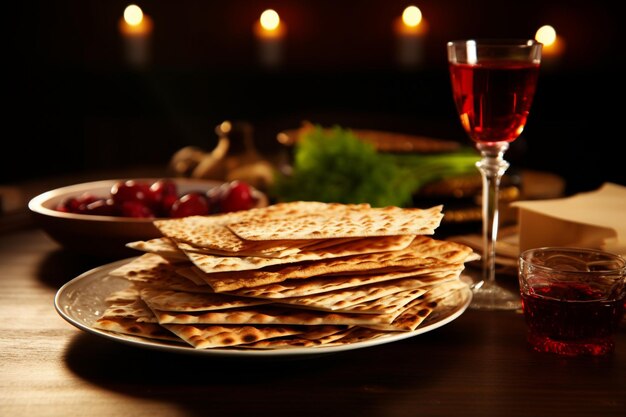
[(572, 299)]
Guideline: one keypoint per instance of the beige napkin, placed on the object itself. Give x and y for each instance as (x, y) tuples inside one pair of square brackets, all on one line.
[(595, 219)]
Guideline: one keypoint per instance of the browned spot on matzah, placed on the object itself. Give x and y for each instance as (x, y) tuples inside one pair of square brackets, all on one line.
[(249, 338)]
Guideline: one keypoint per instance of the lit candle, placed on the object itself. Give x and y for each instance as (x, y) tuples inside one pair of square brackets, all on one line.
[(410, 29), (553, 46), (270, 31), (136, 28)]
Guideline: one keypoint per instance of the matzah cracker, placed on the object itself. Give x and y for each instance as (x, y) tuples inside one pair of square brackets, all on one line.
[(126, 296), (438, 292), (143, 268), (216, 264), (136, 310), (351, 223), (132, 327), (418, 310), (378, 298), (266, 252), (449, 303), (317, 244), (388, 304), (322, 274), (215, 336), (423, 252), (190, 272), (409, 319), (322, 284), (211, 231), (358, 334), (153, 270), (175, 250), (184, 301), (316, 336), (135, 319), (162, 246), (204, 232), (272, 315)]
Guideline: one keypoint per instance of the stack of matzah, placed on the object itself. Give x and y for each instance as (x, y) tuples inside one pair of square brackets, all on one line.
[(289, 275)]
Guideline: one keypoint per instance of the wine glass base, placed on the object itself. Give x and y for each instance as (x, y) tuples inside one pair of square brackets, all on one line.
[(494, 297)]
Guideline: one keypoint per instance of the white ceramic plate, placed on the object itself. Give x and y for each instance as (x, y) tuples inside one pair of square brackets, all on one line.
[(81, 301)]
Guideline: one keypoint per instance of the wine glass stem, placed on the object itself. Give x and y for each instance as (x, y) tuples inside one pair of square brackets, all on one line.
[(492, 167)]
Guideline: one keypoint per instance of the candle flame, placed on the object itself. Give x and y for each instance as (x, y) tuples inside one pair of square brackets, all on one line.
[(133, 15), (226, 127), (412, 16), (269, 19), (546, 35)]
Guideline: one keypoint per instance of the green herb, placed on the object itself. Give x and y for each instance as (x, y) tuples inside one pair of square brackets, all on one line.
[(336, 166)]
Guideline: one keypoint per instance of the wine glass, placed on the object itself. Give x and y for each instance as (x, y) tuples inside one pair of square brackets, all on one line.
[(493, 84)]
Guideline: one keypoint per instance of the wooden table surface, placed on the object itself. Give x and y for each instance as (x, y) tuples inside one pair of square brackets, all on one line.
[(477, 365)]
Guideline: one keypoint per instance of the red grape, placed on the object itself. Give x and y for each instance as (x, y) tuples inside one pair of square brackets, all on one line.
[(161, 198), (215, 195), (190, 204), (77, 205), (237, 196), (68, 205), (164, 187), (164, 193), (166, 205), (135, 209), (131, 190), (102, 207)]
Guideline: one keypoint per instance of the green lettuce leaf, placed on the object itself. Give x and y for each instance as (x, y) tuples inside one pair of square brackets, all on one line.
[(336, 166)]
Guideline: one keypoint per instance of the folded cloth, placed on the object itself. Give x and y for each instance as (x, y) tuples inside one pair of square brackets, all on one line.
[(595, 219), (507, 248)]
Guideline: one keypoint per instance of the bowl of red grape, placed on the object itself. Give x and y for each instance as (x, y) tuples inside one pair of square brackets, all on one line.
[(101, 217)]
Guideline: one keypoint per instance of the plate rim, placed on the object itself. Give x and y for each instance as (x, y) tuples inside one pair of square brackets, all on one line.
[(100, 272)]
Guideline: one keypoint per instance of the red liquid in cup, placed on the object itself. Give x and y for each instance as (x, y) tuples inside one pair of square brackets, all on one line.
[(493, 98), (571, 320)]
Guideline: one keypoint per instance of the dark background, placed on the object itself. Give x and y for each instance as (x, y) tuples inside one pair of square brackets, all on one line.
[(74, 104)]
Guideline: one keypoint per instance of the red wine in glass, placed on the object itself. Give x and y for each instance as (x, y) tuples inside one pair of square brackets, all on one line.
[(493, 84), (493, 98), (572, 299), (571, 319)]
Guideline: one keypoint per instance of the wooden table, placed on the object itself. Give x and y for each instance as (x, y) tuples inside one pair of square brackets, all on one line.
[(477, 365)]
